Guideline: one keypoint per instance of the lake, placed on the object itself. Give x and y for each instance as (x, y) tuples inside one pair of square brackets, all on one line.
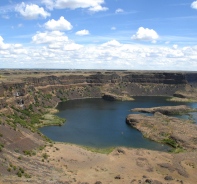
[(101, 124)]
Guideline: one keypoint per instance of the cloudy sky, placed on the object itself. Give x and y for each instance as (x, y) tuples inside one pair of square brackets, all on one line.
[(99, 34)]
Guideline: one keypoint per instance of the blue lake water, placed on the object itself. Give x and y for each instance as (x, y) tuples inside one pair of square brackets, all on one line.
[(99, 123)]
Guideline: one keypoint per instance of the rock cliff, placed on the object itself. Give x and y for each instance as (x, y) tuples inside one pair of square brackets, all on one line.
[(24, 87), (167, 110)]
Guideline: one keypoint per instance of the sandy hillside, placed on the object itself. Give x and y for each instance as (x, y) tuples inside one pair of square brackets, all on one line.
[(72, 164)]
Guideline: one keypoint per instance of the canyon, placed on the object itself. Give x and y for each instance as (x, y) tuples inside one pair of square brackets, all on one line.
[(25, 86), (28, 98)]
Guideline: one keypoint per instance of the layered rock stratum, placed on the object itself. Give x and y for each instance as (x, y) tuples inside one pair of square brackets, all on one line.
[(167, 110)]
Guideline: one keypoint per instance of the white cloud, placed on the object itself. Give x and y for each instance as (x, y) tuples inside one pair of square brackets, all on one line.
[(119, 10), (72, 47), (194, 5), (61, 24), (49, 37), (175, 46), (3, 46), (91, 5), (145, 34), (55, 50), (11, 52), (82, 32), (55, 40), (17, 45), (48, 3), (98, 8), (112, 43), (19, 51), (31, 11)]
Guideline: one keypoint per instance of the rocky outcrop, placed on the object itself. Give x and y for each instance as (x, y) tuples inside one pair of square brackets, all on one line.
[(64, 85), (188, 94), (167, 110), (169, 130), (165, 78), (56, 80), (112, 97), (191, 79)]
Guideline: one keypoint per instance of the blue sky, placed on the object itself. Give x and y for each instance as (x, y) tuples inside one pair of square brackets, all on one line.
[(99, 34)]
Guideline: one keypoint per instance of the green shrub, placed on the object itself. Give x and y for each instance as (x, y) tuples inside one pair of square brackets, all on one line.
[(170, 142), (45, 156), (31, 107), (19, 158), (27, 175), (1, 146), (21, 170), (47, 96), (28, 152), (19, 174)]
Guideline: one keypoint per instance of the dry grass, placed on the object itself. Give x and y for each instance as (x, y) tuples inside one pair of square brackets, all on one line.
[(50, 119)]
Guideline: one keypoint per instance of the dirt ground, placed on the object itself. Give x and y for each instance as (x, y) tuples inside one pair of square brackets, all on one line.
[(72, 164)]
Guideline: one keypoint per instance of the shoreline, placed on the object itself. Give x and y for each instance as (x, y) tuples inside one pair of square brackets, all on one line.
[(94, 148)]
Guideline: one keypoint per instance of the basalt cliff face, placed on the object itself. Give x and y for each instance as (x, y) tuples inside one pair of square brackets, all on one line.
[(52, 87)]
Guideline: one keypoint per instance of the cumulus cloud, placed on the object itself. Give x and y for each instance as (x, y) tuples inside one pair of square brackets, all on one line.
[(175, 46), (48, 3), (119, 10), (55, 40), (11, 51), (3, 46), (61, 24), (112, 43), (91, 5), (49, 37), (194, 5), (82, 32), (31, 11), (72, 47), (146, 35), (98, 8), (53, 49)]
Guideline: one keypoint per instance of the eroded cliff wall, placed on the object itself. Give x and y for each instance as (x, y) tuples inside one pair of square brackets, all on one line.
[(191, 78), (54, 87)]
